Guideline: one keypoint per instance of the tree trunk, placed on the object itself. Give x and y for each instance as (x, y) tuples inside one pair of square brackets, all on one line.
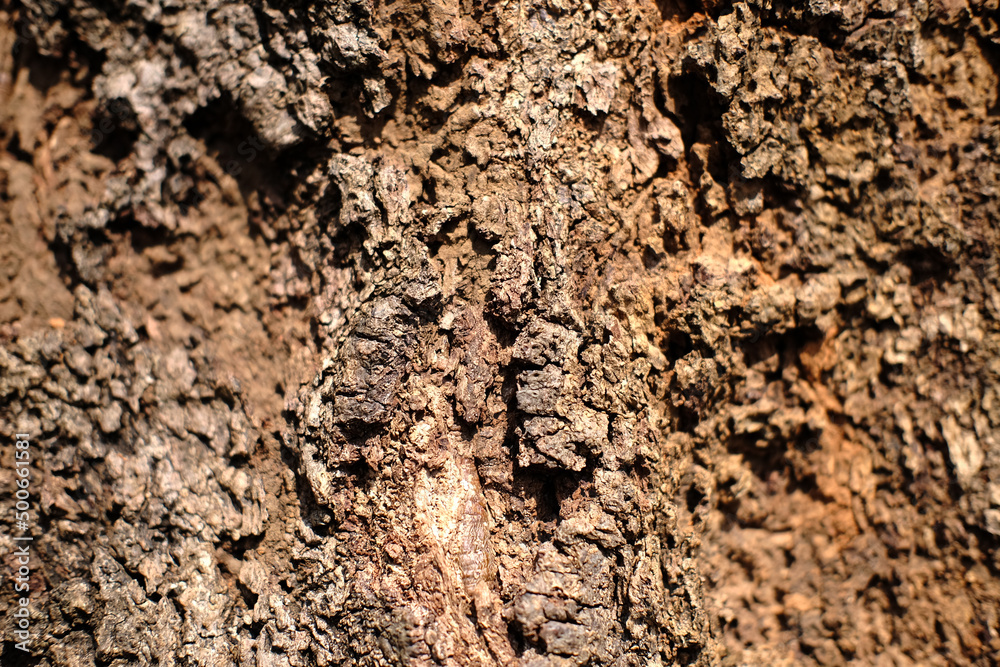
[(521, 333)]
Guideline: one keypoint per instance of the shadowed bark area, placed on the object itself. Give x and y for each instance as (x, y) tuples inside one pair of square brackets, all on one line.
[(508, 333)]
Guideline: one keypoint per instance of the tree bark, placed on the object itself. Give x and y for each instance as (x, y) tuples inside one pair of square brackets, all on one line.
[(517, 333)]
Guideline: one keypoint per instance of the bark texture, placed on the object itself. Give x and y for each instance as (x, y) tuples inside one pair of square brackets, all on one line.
[(512, 333)]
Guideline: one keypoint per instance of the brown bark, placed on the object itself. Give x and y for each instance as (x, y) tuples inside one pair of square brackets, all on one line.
[(519, 334)]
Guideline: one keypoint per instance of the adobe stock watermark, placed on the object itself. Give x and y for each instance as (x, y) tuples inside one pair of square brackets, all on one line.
[(22, 541), (121, 112), (247, 150), (23, 37)]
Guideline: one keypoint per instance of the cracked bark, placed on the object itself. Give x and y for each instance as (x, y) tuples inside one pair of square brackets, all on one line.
[(509, 334)]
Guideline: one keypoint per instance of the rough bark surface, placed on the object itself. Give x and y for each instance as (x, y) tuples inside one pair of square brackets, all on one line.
[(509, 333)]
